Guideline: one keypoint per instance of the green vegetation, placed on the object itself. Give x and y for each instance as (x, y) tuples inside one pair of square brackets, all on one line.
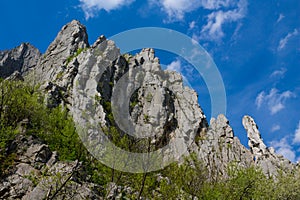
[(146, 118), (149, 97), (59, 75), (127, 56), (17, 103), (79, 51), (188, 180), (22, 111), (97, 98)]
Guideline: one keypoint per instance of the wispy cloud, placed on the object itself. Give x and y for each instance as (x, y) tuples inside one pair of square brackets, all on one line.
[(92, 7), (284, 41), (176, 9), (284, 148), (275, 101), (216, 4), (278, 73), (296, 139), (213, 30), (275, 127), (221, 12), (175, 66), (259, 99), (281, 16), (192, 25)]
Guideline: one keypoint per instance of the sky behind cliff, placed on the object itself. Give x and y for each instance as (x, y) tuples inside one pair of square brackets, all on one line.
[(255, 44)]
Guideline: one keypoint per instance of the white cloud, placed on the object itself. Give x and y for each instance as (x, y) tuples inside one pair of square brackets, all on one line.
[(297, 135), (213, 30), (281, 16), (275, 101), (91, 7), (175, 66), (192, 25), (259, 99), (278, 73), (284, 41), (284, 148), (275, 128), (216, 4), (176, 9), (221, 12)]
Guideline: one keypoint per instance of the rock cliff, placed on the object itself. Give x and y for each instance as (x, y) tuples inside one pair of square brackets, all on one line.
[(80, 77), (39, 173), (21, 59)]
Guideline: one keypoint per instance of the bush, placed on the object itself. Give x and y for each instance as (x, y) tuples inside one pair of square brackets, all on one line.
[(18, 101), (60, 134)]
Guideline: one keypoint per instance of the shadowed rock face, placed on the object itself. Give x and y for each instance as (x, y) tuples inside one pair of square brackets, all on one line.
[(21, 59), (72, 72)]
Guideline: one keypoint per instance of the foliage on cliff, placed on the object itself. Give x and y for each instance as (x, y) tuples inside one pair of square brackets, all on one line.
[(22, 111)]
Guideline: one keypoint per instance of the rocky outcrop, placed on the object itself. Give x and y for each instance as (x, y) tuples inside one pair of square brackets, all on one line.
[(16, 76), (38, 174), (58, 66), (263, 156), (70, 39), (218, 148), (22, 59), (160, 107), (94, 83)]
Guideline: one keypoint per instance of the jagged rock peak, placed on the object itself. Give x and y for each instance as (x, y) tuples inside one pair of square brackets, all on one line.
[(222, 122), (148, 54), (71, 37), (21, 59), (255, 142), (265, 157), (69, 42), (99, 41), (147, 59)]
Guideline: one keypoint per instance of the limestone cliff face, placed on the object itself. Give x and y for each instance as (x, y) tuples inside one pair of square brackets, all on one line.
[(72, 72), (69, 40), (21, 59), (264, 156), (37, 162)]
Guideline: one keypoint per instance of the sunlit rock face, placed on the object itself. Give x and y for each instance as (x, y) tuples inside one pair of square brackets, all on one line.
[(95, 81)]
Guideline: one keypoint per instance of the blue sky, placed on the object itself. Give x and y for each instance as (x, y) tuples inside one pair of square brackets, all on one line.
[(255, 44)]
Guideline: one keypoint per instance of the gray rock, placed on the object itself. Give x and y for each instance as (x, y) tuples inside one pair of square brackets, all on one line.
[(58, 66), (53, 159), (36, 153), (217, 148), (166, 109), (22, 59), (265, 157), (118, 192), (24, 169), (16, 76), (33, 178), (71, 39), (255, 142), (91, 83), (60, 183)]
